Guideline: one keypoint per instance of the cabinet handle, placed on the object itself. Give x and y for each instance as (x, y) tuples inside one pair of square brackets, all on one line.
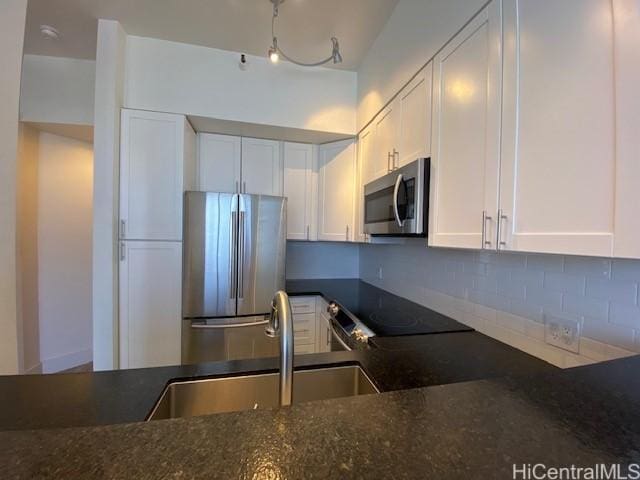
[(396, 155), (485, 217), (389, 168), (123, 251), (347, 232), (123, 228), (244, 187), (307, 232), (501, 217), (237, 187), (328, 336)]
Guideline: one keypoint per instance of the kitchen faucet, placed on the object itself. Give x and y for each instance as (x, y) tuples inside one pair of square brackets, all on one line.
[(281, 323)]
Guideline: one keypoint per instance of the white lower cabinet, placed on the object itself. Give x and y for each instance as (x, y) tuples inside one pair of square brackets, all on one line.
[(311, 325), (336, 184), (150, 303), (324, 333)]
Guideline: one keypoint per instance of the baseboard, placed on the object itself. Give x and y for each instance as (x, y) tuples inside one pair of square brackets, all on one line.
[(35, 370), (69, 360)]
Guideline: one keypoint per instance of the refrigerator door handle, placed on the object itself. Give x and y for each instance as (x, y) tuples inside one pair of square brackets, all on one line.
[(241, 247), (232, 257), (205, 326)]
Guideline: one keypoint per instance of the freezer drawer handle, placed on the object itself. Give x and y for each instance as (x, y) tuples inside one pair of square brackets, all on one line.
[(228, 325)]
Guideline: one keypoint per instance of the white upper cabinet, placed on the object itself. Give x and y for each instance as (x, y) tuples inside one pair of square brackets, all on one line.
[(558, 174), (415, 119), (365, 175), (219, 163), (466, 135), (150, 304), (386, 127), (627, 78), (261, 167), (156, 166), (336, 184), (300, 188)]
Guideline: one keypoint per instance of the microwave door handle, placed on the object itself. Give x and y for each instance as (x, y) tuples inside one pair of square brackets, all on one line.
[(395, 201)]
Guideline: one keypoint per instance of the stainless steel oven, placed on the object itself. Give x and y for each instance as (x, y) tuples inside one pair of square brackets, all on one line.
[(398, 203)]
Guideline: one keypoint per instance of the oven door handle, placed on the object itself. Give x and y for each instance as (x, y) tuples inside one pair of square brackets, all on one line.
[(396, 190), (337, 337)]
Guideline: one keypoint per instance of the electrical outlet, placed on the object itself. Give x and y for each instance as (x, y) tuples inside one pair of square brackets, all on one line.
[(563, 333), (379, 273)]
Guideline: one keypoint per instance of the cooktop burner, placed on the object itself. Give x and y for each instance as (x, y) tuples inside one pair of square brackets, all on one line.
[(389, 315)]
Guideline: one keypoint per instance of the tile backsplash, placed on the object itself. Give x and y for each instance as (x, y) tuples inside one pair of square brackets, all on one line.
[(508, 295), (322, 260)]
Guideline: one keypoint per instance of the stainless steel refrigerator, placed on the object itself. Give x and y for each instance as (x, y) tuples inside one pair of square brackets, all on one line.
[(233, 263)]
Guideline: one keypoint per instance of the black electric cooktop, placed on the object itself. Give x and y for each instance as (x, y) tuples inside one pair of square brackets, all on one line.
[(386, 314)]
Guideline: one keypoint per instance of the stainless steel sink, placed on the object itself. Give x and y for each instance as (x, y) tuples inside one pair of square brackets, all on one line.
[(232, 394)]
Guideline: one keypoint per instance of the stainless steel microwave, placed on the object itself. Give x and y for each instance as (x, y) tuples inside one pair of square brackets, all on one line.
[(398, 203)]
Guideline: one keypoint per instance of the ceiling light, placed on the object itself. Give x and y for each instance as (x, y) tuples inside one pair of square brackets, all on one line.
[(275, 51), (49, 32)]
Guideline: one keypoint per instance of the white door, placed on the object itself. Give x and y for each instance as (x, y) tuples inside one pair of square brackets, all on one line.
[(261, 167), (466, 135), (150, 304), (365, 175), (151, 175), (559, 158), (219, 158), (336, 183), (299, 188), (386, 140), (415, 119), (627, 67)]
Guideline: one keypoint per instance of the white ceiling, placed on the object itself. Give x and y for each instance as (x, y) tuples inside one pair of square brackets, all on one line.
[(304, 26)]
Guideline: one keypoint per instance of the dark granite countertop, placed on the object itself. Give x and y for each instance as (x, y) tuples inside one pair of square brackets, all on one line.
[(466, 430), (485, 407), (383, 312)]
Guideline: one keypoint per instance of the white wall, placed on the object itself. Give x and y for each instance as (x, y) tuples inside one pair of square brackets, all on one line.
[(507, 296), (65, 197), (57, 90), (27, 245), (416, 30), (109, 97), (12, 22), (322, 260), (180, 78)]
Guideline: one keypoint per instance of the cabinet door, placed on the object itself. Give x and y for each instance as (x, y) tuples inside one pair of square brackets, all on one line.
[(559, 158), (627, 68), (336, 183), (261, 167), (365, 175), (386, 140), (219, 158), (324, 334), (300, 187), (415, 119), (150, 300), (466, 135), (151, 175)]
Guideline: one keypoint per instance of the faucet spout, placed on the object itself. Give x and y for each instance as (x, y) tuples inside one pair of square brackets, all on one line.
[(281, 323)]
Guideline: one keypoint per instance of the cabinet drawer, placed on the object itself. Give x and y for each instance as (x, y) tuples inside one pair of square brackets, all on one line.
[(304, 349), (304, 328), (303, 304)]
